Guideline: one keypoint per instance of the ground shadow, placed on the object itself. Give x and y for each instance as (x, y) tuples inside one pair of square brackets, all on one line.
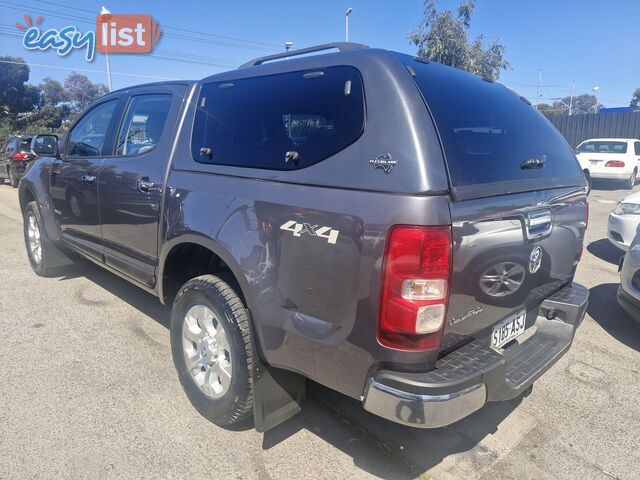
[(608, 185), (605, 251), (604, 309), (377, 446), (136, 297)]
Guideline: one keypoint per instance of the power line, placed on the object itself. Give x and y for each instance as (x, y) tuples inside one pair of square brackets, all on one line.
[(249, 44), (167, 26), (85, 69)]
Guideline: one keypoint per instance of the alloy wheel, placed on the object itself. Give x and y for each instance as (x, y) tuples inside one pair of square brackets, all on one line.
[(33, 235), (206, 351)]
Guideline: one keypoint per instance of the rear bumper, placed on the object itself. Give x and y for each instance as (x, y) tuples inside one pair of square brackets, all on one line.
[(630, 304), (19, 168), (466, 379), (610, 176)]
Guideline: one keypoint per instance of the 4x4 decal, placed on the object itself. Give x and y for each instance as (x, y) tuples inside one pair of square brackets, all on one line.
[(328, 233)]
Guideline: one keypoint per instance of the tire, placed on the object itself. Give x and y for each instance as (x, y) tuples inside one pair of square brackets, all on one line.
[(587, 177), (632, 181), (13, 181), (47, 260), (206, 304)]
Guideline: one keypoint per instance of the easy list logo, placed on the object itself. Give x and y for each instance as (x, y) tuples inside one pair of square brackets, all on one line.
[(114, 34)]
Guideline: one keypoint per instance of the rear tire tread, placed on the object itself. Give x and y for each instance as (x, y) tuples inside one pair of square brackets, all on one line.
[(243, 407)]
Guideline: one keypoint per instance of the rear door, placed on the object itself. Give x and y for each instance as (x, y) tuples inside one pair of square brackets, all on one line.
[(132, 180), (518, 206)]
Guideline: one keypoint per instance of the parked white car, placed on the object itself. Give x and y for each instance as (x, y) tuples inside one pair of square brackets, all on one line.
[(610, 159), (624, 221)]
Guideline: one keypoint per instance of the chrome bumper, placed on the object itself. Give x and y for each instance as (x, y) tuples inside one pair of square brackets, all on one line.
[(423, 411), (465, 379)]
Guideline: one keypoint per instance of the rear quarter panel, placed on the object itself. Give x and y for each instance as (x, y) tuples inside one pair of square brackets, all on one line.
[(314, 304)]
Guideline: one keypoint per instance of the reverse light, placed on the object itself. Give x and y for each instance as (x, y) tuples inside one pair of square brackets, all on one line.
[(415, 287), (614, 163), (20, 156)]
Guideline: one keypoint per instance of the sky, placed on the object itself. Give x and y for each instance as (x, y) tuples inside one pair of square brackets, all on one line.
[(588, 42)]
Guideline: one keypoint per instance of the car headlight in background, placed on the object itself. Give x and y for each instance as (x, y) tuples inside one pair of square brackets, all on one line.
[(627, 209)]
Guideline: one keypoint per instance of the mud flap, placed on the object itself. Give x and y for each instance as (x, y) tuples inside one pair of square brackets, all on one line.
[(278, 396)]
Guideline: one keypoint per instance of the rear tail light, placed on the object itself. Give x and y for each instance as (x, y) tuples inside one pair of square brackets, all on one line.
[(20, 156), (416, 281), (614, 163)]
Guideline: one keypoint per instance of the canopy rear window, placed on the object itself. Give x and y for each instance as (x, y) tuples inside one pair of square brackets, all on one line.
[(494, 141)]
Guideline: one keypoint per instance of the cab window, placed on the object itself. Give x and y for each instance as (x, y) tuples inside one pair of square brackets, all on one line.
[(143, 124), (88, 135)]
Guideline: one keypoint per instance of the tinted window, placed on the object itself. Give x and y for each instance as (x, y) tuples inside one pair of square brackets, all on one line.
[(143, 124), (25, 143), (603, 147), (88, 135), (637, 148), (260, 122), (488, 132)]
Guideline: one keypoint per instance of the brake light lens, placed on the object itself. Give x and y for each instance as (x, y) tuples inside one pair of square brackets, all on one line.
[(415, 287), (614, 163), (20, 156)]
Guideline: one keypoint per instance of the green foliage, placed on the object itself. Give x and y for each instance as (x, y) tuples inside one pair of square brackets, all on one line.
[(53, 93), (16, 95), (635, 100), (82, 92), (50, 107), (442, 37)]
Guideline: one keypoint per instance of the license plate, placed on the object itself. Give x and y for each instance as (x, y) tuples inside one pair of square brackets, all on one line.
[(508, 329), (595, 162)]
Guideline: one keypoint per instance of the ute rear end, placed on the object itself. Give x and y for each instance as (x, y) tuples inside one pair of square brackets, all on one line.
[(519, 213)]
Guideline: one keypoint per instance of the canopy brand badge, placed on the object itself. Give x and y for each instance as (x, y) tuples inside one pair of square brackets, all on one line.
[(113, 34)]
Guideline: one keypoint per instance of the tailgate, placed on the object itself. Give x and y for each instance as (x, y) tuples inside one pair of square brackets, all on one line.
[(510, 253)]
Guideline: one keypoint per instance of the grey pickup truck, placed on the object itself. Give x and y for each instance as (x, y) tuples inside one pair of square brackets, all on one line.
[(400, 231)]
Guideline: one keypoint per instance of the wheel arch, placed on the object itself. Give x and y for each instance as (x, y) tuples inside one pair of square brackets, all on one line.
[(180, 247)]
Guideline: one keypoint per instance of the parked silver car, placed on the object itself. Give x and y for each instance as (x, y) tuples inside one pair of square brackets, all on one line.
[(623, 221), (629, 289)]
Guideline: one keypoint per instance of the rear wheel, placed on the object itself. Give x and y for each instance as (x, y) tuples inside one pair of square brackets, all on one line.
[(587, 177), (632, 180), (13, 181), (212, 348)]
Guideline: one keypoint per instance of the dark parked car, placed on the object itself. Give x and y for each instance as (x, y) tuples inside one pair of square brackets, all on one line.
[(19, 151), (397, 230), (16, 155)]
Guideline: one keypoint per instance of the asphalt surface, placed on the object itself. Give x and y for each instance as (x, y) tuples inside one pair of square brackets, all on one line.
[(88, 390)]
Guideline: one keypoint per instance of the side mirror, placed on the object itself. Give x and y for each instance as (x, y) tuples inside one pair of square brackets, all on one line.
[(45, 145)]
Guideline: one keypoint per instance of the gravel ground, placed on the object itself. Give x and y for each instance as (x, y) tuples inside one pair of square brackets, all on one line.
[(88, 390)]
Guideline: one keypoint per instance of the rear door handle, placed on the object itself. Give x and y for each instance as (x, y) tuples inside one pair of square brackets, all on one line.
[(88, 179), (146, 186)]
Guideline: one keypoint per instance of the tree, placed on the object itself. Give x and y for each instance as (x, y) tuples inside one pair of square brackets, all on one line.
[(53, 92), (442, 37), (635, 99), (81, 91), (16, 96), (584, 103)]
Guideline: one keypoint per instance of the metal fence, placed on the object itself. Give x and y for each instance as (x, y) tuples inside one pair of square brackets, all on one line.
[(576, 128)]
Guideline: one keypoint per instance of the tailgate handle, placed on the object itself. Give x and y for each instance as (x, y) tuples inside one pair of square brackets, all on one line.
[(539, 224)]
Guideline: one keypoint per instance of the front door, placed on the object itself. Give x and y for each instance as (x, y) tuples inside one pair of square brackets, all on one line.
[(132, 181), (74, 178)]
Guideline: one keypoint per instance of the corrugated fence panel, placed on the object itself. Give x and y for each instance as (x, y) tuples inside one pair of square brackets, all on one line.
[(577, 128)]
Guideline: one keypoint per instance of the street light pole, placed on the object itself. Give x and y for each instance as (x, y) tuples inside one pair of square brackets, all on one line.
[(573, 85), (346, 26), (596, 89), (105, 15)]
